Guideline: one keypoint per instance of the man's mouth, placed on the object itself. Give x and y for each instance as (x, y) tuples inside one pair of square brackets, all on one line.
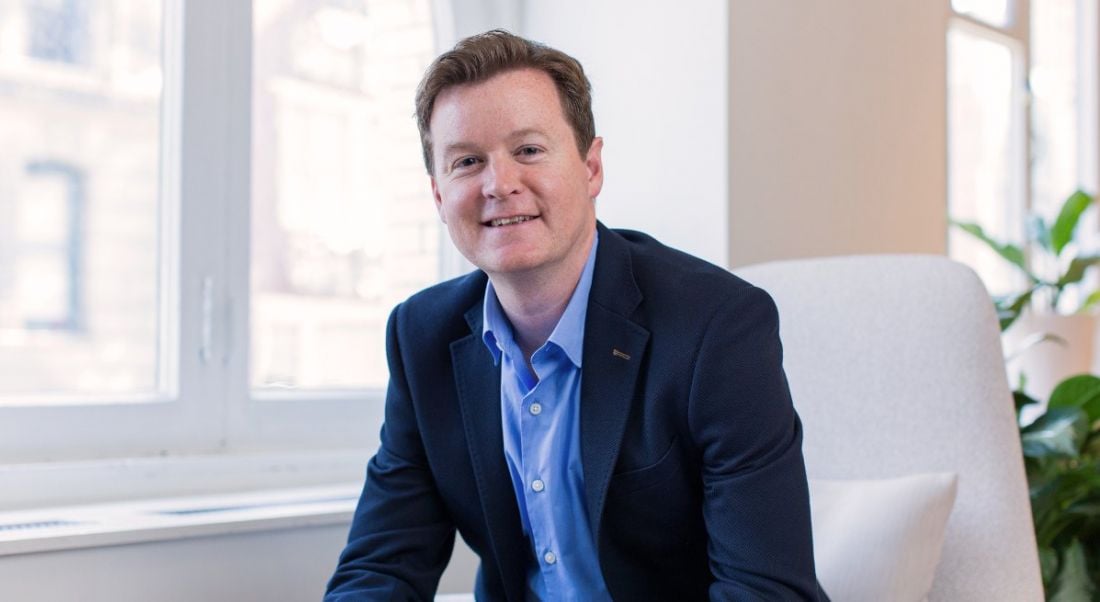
[(508, 221)]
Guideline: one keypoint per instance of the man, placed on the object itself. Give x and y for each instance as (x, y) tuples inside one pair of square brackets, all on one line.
[(600, 417)]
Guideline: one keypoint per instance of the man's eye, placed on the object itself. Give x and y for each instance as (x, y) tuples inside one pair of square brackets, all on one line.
[(529, 151), (465, 162)]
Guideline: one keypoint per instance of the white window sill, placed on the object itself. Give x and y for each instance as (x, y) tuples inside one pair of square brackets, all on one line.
[(37, 485), (86, 526)]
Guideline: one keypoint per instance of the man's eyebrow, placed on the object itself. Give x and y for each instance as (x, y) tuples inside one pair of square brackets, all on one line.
[(526, 132), (458, 147)]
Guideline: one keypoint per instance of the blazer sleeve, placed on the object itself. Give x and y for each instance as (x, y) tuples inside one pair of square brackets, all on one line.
[(756, 499), (401, 535)]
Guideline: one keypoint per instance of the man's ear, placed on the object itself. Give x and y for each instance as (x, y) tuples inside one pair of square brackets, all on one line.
[(438, 200), (593, 161)]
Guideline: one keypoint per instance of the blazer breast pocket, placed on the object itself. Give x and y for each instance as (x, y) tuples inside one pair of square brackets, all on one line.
[(637, 479)]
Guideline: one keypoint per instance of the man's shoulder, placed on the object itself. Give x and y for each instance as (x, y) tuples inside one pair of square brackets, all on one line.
[(680, 294), (441, 308), (658, 269)]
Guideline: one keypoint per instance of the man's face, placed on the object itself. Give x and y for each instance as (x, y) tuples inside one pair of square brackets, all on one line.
[(508, 181)]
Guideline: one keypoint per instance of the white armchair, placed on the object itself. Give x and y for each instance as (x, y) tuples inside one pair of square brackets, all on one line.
[(895, 367)]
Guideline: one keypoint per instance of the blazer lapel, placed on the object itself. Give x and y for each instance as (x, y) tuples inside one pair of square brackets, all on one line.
[(478, 386), (614, 349)]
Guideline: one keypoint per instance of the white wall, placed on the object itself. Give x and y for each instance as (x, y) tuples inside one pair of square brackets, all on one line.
[(283, 565), (658, 73), (837, 127)]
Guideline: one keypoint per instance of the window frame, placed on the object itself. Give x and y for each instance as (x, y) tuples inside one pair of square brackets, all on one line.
[(1016, 34), (206, 406)]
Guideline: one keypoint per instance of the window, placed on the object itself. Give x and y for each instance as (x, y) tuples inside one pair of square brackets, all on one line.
[(343, 226), (79, 206), (58, 30), (1063, 111), (46, 250), (1021, 107), (218, 212), (993, 12)]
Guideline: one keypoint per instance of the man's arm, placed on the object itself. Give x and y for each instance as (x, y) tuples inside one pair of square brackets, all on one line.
[(756, 500), (401, 536)]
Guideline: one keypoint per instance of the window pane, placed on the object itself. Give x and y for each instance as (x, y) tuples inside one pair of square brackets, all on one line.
[(985, 122), (1055, 110), (80, 92), (994, 12), (343, 225), (1061, 116)]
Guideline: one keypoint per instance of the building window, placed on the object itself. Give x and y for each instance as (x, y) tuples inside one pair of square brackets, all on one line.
[(47, 248), (58, 30)]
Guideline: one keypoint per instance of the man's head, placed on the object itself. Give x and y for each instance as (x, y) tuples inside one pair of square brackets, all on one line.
[(513, 177), (480, 57)]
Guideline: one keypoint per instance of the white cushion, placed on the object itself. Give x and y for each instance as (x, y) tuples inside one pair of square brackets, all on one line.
[(880, 539)]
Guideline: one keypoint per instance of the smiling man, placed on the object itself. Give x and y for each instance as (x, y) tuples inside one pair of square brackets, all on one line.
[(600, 416)]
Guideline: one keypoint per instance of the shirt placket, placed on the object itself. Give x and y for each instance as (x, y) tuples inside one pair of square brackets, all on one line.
[(536, 413)]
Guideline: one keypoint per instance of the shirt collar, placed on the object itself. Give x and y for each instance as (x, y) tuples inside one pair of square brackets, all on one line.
[(568, 334)]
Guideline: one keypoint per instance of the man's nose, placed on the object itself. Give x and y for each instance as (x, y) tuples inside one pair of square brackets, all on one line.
[(502, 179)]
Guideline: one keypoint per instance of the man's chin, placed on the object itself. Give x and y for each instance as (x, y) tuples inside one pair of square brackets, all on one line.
[(511, 265)]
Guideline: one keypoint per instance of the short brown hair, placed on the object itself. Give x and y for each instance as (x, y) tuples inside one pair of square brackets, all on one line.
[(480, 57)]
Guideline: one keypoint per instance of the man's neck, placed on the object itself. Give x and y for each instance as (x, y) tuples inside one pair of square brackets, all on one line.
[(535, 302)]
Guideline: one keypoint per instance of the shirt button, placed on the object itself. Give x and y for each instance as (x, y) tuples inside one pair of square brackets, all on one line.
[(536, 408), (550, 558), (538, 486)]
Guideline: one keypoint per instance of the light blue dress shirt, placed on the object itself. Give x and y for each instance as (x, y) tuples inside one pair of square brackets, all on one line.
[(541, 419)]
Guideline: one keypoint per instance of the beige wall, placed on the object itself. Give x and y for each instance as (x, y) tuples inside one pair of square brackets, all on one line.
[(837, 128)]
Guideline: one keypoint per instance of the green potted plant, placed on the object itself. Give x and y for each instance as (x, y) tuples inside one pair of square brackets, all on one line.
[(1053, 240), (1038, 312), (1062, 457)]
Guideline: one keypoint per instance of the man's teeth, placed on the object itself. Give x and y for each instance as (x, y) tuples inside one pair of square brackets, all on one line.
[(508, 221)]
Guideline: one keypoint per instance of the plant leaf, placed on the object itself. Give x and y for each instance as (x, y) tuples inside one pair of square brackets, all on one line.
[(1010, 252), (1062, 230), (1081, 391), (1077, 269), (1009, 307), (1048, 563), (1060, 432), (1060, 492), (1073, 583), (1090, 510), (1092, 299), (1039, 231), (1022, 399), (1032, 340)]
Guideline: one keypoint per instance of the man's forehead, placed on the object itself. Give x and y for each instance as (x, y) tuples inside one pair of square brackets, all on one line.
[(509, 105), (514, 92), (472, 139)]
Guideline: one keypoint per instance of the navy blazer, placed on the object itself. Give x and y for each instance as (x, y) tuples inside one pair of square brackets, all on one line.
[(691, 448)]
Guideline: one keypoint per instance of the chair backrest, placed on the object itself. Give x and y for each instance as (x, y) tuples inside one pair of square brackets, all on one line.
[(895, 367)]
